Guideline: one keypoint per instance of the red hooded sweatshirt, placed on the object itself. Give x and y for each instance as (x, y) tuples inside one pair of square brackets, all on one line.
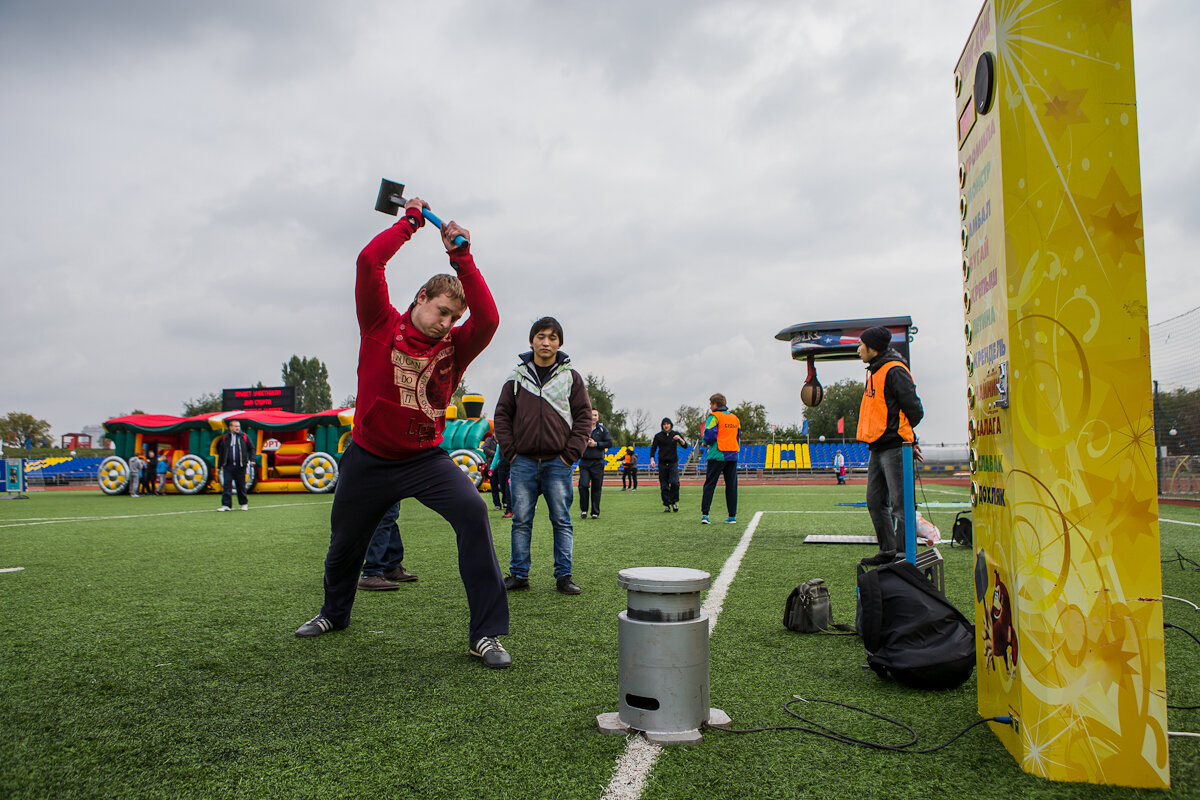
[(405, 379)]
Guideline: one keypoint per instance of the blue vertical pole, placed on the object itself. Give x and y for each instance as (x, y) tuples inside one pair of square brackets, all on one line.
[(910, 506)]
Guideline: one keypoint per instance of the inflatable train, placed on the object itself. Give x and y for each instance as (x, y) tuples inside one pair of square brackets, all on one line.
[(293, 452)]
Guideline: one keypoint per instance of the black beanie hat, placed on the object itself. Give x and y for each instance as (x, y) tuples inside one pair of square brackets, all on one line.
[(878, 338)]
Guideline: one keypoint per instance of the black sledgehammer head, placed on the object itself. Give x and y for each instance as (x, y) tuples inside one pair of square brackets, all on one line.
[(391, 197)]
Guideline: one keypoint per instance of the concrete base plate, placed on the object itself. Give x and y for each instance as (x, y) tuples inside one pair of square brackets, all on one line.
[(611, 723)]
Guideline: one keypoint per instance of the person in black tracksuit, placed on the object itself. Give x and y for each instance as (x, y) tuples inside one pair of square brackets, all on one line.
[(666, 443), (591, 467)]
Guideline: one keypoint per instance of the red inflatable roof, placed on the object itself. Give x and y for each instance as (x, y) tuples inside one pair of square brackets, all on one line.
[(268, 420)]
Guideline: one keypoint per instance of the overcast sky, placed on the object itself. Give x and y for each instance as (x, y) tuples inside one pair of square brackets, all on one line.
[(186, 187)]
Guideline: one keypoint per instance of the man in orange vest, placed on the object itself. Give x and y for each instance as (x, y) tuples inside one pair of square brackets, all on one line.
[(722, 434), (890, 410)]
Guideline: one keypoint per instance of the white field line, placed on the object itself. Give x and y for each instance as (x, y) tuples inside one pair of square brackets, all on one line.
[(12, 569), (1180, 522), (634, 766), (60, 520)]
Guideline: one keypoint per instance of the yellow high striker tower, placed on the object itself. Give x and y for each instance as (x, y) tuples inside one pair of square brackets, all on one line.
[(1068, 585)]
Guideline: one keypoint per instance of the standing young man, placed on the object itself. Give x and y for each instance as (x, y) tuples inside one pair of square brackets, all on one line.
[(233, 456), (408, 367), (889, 411), (591, 468), (543, 419), (723, 435), (666, 443)]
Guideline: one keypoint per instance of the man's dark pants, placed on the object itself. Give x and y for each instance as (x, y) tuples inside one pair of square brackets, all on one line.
[(885, 497), (500, 491), (668, 482), (368, 486), (231, 476), (713, 471), (591, 478)]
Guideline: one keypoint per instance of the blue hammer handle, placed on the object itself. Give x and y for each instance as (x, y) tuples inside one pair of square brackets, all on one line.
[(459, 241)]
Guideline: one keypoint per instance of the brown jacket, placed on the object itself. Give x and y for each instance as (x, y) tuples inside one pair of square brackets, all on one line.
[(543, 420)]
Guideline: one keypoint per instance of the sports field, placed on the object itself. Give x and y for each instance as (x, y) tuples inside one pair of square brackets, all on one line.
[(147, 650)]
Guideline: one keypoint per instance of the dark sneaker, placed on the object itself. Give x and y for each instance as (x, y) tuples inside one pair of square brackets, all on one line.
[(674, 507), (595, 515), (666, 509), (512, 583), (315, 627), (568, 586), (376, 583), (882, 557), (493, 654), (399, 575)]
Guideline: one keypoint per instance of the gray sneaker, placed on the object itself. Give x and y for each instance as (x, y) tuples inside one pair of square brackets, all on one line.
[(492, 652)]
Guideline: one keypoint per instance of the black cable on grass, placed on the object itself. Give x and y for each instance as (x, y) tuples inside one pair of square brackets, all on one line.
[(837, 736), (1197, 641), (1180, 558)]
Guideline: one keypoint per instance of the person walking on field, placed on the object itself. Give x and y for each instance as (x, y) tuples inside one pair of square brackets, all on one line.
[(543, 421), (839, 466), (234, 452), (409, 365), (666, 443), (723, 435), (629, 470), (889, 411), (591, 468)]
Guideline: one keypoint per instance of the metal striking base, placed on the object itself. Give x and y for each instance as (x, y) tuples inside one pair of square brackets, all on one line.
[(611, 723), (830, 538)]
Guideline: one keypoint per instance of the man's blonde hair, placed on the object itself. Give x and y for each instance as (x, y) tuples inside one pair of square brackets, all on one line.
[(448, 285)]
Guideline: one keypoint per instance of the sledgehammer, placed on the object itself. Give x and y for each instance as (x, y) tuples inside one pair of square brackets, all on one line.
[(391, 200)]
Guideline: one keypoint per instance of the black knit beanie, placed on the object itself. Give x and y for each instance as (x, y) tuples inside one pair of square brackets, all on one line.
[(878, 338)]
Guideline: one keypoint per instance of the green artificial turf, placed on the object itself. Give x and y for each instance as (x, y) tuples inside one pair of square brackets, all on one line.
[(147, 650)]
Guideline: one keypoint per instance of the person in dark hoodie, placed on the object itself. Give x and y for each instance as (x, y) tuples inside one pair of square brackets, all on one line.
[(890, 410), (543, 421), (666, 443), (591, 468)]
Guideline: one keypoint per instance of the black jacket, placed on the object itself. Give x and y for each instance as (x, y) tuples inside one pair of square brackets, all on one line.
[(594, 453), (245, 450), (665, 445), (900, 394)]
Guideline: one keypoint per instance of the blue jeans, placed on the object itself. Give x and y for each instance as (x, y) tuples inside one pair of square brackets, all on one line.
[(386, 551), (551, 479), (885, 497)]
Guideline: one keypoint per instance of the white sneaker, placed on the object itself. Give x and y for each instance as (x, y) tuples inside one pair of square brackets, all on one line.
[(245, 507), (223, 508)]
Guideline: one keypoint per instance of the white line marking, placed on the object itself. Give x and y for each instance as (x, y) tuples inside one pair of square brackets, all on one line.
[(634, 766), (1180, 522), (57, 520), (12, 569)]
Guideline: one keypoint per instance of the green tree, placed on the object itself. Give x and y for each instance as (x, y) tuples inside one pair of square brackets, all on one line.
[(1177, 421), (602, 401), (17, 428), (204, 404), (842, 399), (753, 420), (689, 420), (311, 379)]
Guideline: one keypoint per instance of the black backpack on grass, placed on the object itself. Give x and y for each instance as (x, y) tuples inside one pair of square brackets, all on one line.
[(911, 631), (961, 534)]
